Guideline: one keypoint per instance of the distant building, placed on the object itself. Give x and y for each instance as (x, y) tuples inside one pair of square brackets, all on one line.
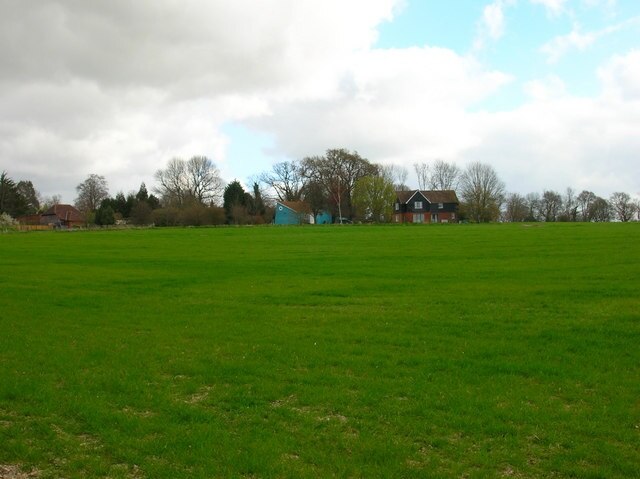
[(62, 216), (298, 213), (419, 206)]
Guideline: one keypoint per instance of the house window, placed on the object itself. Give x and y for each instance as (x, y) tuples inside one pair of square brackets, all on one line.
[(397, 206), (418, 217), (417, 205), (440, 205)]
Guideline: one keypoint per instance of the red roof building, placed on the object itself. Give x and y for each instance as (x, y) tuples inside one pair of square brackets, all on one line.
[(63, 216)]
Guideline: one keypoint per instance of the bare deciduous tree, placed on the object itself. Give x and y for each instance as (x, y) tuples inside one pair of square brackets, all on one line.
[(197, 180), (203, 180), (622, 206), (286, 179), (516, 209), (396, 174), (422, 172), (91, 192), (482, 192), (550, 205), (532, 201), (570, 204), (444, 176), (49, 201), (600, 210), (585, 199), (172, 183)]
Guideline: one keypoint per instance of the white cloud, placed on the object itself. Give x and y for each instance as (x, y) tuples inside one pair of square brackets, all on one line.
[(406, 106), (561, 45), (621, 77), (118, 88), (492, 24), (394, 106), (553, 7), (493, 17), (549, 88)]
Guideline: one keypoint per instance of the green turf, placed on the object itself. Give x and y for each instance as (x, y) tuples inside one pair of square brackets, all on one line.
[(434, 351)]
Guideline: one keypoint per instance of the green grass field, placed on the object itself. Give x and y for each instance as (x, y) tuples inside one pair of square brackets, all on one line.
[(433, 351)]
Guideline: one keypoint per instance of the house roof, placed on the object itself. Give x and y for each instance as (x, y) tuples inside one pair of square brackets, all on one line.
[(297, 206), (441, 196), (64, 212)]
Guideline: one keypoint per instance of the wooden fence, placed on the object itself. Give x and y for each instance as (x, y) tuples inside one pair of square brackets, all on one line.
[(34, 227)]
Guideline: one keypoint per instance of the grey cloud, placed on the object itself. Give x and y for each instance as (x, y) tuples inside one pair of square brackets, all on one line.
[(180, 46)]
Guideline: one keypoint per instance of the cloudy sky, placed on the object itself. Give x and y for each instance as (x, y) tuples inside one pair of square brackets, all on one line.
[(546, 91)]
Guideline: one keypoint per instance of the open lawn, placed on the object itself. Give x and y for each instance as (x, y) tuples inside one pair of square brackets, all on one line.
[(391, 351)]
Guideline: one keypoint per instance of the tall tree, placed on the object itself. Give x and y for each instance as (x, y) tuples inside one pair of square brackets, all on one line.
[(373, 197), (482, 192), (550, 205), (338, 172), (444, 176), (570, 205), (622, 206), (235, 202), (49, 201), (182, 182), (120, 205), (204, 182), (315, 196), (422, 172), (516, 209), (585, 201), (286, 180), (91, 192), (532, 201), (600, 210), (8, 194), (105, 215), (28, 197), (257, 203), (142, 194), (396, 174), (172, 183)]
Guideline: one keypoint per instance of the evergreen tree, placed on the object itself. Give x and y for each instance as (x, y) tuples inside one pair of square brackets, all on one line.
[(105, 215), (234, 201)]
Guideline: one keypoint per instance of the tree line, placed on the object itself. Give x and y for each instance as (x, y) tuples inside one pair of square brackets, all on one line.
[(341, 182)]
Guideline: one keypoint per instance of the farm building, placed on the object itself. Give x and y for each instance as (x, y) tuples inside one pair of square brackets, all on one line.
[(298, 213), (62, 216), (418, 206)]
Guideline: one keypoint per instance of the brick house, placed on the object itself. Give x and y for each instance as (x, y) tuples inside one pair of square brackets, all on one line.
[(62, 216), (419, 206)]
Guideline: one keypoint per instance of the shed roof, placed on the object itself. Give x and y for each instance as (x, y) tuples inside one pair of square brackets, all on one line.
[(297, 206)]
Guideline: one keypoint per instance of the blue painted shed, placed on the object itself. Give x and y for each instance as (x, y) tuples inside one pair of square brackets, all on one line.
[(298, 213), (292, 213), (323, 218)]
